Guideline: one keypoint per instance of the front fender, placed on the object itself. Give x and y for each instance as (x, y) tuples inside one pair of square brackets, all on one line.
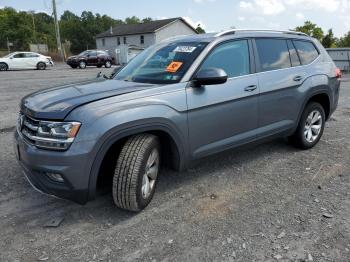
[(130, 129), (106, 126)]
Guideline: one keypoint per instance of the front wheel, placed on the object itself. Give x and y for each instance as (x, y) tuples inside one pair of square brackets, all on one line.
[(82, 64), (310, 128), (136, 172), (108, 64), (41, 66)]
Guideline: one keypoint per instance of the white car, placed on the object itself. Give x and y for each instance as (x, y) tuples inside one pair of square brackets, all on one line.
[(25, 60)]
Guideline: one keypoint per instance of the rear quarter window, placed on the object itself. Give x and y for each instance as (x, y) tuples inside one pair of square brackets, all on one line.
[(102, 53), (273, 54), (306, 50)]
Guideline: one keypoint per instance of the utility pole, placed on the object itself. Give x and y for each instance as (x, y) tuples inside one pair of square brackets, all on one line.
[(8, 45), (36, 42), (58, 36)]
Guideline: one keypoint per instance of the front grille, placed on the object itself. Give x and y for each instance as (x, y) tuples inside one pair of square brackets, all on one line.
[(28, 128)]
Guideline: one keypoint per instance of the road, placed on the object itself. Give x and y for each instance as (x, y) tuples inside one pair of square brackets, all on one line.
[(267, 202)]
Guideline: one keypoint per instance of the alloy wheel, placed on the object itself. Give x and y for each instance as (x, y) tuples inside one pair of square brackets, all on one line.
[(313, 126), (151, 173), (82, 65)]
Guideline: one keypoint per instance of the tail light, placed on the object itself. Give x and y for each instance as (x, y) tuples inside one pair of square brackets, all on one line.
[(337, 73)]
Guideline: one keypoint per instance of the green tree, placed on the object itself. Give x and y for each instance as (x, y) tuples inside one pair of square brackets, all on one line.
[(81, 31), (311, 29), (132, 20), (344, 41), (17, 27), (329, 40), (147, 19)]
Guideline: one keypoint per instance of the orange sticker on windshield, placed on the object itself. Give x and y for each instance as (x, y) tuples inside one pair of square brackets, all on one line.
[(173, 67)]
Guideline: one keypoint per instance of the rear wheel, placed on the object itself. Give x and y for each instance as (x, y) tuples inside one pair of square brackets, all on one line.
[(136, 172), (41, 66), (310, 128), (108, 64), (82, 64), (3, 67)]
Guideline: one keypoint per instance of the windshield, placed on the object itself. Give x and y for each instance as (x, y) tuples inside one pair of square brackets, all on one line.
[(85, 53), (161, 64), (6, 56)]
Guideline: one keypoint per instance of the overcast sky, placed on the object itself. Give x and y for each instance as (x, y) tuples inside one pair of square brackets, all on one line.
[(213, 15)]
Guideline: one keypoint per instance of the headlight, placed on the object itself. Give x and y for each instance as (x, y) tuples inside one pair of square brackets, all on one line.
[(47, 134), (58, 129), (56, 135)]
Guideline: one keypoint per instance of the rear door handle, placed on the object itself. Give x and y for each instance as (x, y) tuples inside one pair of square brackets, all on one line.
[(250, 88), (297, 78)]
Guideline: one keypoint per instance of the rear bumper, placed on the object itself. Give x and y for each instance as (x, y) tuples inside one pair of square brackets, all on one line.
[(37, 164)]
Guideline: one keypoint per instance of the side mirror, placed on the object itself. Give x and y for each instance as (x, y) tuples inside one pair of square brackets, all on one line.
[(210, 76)]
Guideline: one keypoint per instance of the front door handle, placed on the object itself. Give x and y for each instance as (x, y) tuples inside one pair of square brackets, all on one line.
[(250, 88), (297, 78)]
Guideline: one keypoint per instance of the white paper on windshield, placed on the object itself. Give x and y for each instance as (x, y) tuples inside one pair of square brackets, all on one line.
[(185, 49)]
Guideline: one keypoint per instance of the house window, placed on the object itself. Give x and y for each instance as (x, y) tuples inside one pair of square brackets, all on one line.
[(118, 40), (142, 39), (124, 40), (103, 42)]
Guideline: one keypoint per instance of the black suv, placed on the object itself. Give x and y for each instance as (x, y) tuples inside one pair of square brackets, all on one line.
[(97, 58)]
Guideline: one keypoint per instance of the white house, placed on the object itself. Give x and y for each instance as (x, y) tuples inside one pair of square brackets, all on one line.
[(129, 39)]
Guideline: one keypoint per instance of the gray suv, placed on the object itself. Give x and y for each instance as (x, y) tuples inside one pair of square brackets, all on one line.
[(177, 101)]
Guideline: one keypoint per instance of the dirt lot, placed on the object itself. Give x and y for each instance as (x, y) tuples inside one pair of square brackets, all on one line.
[(266, 203)]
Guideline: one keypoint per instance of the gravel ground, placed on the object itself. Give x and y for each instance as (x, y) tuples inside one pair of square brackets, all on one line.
[(264, 203)]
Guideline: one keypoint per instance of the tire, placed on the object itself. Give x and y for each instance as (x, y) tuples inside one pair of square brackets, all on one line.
[(41, 66), (82, 64), (306, 137), (133, 189), (3, 67), (108, 64)]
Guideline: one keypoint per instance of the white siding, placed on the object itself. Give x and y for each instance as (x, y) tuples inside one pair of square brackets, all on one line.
[(176, 28), (111, 43)]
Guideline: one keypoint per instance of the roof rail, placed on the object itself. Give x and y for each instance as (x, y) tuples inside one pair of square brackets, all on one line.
[(232, 31)]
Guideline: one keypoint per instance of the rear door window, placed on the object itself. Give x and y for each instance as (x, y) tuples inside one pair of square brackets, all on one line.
[(273, 54), (233, 57), (306, 50), (19, 55), (31, 55)]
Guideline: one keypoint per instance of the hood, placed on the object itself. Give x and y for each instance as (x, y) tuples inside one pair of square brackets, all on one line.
[(57, 102), (72, 57)]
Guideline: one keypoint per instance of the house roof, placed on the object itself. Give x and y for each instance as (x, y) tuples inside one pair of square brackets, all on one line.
[(141, 28)]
